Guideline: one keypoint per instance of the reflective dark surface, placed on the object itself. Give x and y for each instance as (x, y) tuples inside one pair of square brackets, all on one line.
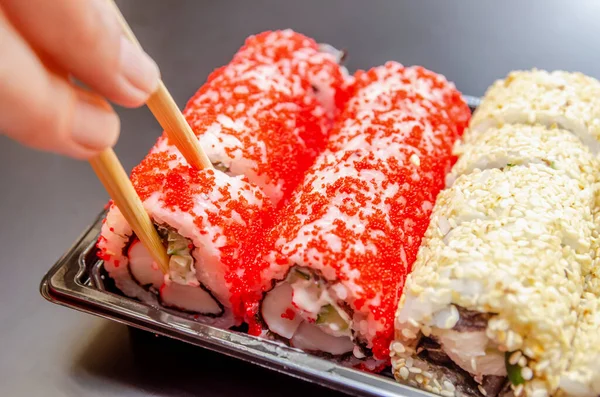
[(47, 201)]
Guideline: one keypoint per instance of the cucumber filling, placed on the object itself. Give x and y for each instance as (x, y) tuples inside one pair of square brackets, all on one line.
[(221, 167), (467, 349), (181, 262), (181, 290), (306, 312)]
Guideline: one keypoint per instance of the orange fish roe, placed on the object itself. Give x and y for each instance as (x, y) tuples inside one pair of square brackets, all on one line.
[(361, 211)]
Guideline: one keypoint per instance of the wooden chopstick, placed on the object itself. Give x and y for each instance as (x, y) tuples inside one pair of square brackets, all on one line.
[(165, 110), (109, 170), (115, 180)]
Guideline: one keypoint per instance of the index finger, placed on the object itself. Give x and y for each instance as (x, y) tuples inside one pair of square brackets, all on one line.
[(84, 38)]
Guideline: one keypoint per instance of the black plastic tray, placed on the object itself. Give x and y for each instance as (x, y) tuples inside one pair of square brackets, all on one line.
[(78, 281)]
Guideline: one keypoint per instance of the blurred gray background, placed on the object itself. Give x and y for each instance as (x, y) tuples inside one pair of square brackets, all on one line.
[(47, 201)]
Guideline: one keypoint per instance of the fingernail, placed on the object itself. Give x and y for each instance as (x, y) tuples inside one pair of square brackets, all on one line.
[(95, 126), (139, 70)]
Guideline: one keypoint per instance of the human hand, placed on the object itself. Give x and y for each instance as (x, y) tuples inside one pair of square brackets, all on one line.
[(43, 44)]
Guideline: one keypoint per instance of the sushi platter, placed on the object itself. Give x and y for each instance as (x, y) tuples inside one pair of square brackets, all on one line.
[(378, 233)]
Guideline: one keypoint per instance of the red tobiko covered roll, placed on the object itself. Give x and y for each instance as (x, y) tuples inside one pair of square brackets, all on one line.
[(388, 94), (267, 114), (212, 225), (351, 231), (262, 119), (302, 56)]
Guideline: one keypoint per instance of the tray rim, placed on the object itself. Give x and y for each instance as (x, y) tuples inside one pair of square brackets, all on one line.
[(60, 286)]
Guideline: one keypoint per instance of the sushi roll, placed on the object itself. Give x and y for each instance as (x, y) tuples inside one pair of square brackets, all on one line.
[(350, 233), (387, 94), (582, 378), (211, 225), (489, 310), (262, 124), (267, 114), (321, 64), (520, 144), (346, 249), (493, 295), (530, 192), (500, 291), (569, 100)]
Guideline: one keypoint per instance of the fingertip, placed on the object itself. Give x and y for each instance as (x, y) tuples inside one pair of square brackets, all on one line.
[(139, 75), (78, 152), (84, 38), (95, 126)]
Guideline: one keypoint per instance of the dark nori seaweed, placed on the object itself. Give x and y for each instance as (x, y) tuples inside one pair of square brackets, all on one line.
[(431, 351), (471, 321)]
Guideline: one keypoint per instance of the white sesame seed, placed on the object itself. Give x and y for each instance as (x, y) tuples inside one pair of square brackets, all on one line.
[(415, 370), (449, 386), (437, 384), (474, 364), (447, 393), (415, 160), (514, 358), (522, 361), (542, 365), (452, 318), (528, 352), (419, 378), (427, 374), (412, 383), (518, 390), (426, 330), (482, 390), (526, 373), (509, 337), (408, 334), (539, 393), (398, 347), (409, 362), (404, 373)]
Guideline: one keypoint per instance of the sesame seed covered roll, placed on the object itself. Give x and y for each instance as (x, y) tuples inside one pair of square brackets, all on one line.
[(500, 299), (582, 377), (492, 304), (533, 192), (569, 100), (521, 144)]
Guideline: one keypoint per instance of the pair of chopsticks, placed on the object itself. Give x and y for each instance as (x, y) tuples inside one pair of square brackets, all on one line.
[(109, 170)]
